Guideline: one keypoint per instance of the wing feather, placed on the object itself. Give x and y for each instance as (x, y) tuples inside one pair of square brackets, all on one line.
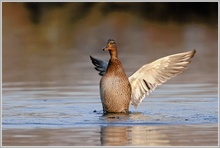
[(151, 75), (100, 65)]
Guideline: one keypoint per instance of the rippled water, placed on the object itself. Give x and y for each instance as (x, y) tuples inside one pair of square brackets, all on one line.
[(74, 106), (141, 135), (50, 94), (56, 112)]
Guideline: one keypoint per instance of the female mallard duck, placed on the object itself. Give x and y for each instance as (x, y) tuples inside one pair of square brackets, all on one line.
[(117, 90)]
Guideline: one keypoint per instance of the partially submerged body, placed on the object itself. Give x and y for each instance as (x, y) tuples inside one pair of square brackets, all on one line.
[(117, 91)]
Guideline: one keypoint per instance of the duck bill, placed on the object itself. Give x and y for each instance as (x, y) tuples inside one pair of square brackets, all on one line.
[(105, 48)]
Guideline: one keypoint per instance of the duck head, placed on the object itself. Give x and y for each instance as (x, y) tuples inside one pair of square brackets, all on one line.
[(111, 47)]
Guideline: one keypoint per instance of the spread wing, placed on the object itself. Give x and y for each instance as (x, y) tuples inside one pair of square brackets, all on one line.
[(100, 65), (151, 75)]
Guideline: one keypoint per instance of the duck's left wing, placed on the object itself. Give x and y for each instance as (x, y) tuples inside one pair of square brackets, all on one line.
[(100, 65), (151, 75)]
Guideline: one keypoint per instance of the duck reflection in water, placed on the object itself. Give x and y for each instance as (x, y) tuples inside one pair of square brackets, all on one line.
[(133, 136)]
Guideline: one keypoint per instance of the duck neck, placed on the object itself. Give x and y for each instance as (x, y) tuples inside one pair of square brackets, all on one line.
[(113, 54)]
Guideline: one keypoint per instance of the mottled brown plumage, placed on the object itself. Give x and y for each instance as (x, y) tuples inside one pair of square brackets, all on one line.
[(117, 91)]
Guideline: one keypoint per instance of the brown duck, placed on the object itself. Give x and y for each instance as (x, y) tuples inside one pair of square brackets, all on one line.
[(117, 91)]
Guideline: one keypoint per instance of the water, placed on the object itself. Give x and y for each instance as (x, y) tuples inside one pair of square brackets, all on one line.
[(145, 135), (56, 112), (75, 106), (50, 90)]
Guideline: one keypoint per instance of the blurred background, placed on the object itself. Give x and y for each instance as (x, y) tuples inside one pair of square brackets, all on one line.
[(40, 39)]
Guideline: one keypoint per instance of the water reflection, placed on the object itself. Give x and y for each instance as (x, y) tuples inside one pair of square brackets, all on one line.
[(188, 135), (115, 136), (136, 135)]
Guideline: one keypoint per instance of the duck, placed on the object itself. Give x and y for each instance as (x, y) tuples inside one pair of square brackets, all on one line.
[(118, 91)]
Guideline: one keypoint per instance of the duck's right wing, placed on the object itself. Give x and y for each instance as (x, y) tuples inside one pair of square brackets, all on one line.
[(100, 65), (151, 75)]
